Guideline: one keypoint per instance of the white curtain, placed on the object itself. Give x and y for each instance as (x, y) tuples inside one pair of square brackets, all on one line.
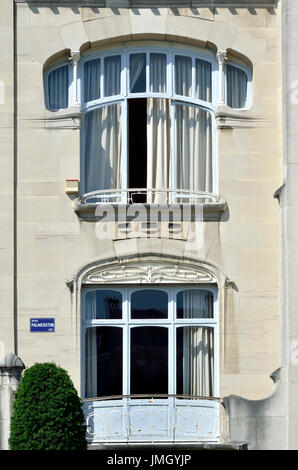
[(198, 361), (197, 303), (158, 75), (58, 88), (236, 87), (183, 75), (103, 148), (193, 145), (203, 80), (112, 75), (92, 80), (158, 147), (136, 67), (91, 363), (198, 344)]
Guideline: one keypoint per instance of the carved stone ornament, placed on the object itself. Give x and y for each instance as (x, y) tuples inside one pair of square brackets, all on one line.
[(140, 273)]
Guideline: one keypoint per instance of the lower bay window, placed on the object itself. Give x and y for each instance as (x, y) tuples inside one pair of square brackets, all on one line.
[(149, 341)]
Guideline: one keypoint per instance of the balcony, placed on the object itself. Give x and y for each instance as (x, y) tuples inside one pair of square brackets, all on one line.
[(91, 205), (158, 419)]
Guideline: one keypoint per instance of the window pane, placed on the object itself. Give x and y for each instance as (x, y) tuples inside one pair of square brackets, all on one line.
[(112, 75), (195, 303), (203, 80), (236, 87), (193, 148), (103, 304), (102, 138), (183, 75), (58, 88), (92, 80), (149, 304), (149, 360), (195, 361), (158, 73), (103, 366), (137, 73)]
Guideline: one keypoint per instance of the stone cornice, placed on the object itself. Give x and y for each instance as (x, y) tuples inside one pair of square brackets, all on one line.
[(154, 3)]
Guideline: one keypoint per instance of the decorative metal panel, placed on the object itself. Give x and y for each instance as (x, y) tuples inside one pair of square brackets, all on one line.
[(152, 420)]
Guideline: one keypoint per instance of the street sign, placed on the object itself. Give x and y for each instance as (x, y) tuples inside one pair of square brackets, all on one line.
[(42, 325)]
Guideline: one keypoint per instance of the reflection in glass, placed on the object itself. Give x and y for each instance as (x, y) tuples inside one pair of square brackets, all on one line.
[(149, 360), (195, 303), (149, 303), (137, 73), (195, 361), (103, 304), (103, 347)]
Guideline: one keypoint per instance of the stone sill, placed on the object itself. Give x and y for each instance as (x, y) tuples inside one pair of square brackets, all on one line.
[(228, 118), (212, 212)]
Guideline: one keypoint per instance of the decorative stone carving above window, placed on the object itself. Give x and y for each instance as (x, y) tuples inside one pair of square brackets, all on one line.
[(151, 272)]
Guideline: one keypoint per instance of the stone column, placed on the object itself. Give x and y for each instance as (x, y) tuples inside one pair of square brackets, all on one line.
[(10, 373)]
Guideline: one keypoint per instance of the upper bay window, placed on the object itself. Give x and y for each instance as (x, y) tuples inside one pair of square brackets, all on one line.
[(148, 128)]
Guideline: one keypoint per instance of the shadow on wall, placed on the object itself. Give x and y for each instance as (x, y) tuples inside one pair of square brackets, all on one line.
[(136, 11)]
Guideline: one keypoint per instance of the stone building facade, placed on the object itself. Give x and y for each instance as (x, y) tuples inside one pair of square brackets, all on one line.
[(117, 285)]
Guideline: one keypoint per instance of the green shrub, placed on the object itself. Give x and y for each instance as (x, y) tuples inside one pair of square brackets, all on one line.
[(47, 412)]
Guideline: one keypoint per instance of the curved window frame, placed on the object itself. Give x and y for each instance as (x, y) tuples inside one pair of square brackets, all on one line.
[(47, 73), (122, 98), (172, 323), (248, 72)]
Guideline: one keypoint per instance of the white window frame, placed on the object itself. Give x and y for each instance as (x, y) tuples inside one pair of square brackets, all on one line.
[(48, 71), (248, 72), (171, 323), (170, 53)]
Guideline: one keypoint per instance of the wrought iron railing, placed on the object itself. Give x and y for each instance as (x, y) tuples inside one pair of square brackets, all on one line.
[(149, 196)]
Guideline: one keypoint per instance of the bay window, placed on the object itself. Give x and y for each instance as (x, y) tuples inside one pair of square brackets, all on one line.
[(149, 341), (148, 127)]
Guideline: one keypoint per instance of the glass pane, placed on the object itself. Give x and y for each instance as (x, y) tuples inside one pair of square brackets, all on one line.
[(112, 75), (103, 148), (149, 304), (195, 303), (203, 80), (149, 360), (183, 75), (58, 88), (158, 73), (236, 87), (193, 146), (102, 304), (103, 365), (92, 80), (195, 361), (137, 73)]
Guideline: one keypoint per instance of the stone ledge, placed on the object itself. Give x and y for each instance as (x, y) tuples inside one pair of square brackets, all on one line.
[(212, 212), (227, 118)]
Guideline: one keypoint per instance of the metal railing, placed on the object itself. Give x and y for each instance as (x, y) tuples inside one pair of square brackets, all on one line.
[(149, 196)]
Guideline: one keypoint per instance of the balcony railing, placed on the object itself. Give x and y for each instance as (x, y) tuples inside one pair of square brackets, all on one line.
[(154, 419), (149, 196)]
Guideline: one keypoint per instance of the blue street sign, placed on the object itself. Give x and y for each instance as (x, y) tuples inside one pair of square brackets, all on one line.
[(42, 325)]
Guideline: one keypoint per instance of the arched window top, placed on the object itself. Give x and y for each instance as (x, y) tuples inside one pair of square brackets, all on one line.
[(136, 71)]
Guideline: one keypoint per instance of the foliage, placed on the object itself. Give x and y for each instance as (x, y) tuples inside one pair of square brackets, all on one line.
[(47, 411)]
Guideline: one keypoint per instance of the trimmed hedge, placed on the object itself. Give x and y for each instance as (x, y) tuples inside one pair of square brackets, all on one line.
[(47, 411)]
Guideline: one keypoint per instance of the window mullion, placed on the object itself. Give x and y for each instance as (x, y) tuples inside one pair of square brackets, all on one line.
[(173, 153)]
